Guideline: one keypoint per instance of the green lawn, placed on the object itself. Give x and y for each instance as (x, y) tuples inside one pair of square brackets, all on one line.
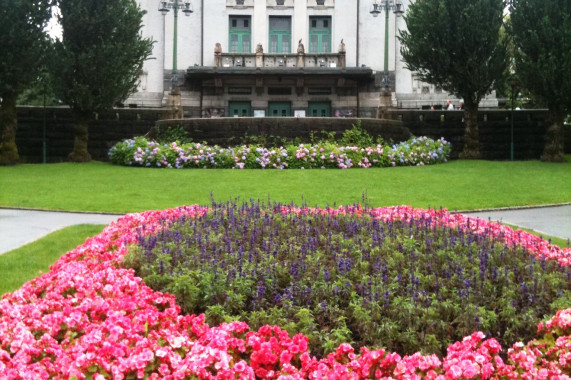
[(457, 185), (29, 261), (461, 185)]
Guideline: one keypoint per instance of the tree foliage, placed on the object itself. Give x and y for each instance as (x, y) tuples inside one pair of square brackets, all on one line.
[(455, 45), (541, 32), (99, 58), (22, 47)]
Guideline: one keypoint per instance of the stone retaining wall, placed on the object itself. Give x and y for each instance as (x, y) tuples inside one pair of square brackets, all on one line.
[(103, 133), (111, 127), (231, 131)]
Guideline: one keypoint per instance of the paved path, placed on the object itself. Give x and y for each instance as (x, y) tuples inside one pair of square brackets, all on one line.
[(19, 227), (553, 221)]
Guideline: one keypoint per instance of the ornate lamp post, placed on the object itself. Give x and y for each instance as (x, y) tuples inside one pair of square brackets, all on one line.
[(513, 84), (376, 8), (164, 7)]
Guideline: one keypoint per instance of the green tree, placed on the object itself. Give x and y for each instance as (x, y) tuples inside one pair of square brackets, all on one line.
[(39, 91), (542, 39), (99, 59), (455, 45), (22, 47)]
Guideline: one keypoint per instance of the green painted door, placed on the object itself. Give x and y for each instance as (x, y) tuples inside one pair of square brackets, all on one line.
[(239, 109), (319, 109), (279, 109)]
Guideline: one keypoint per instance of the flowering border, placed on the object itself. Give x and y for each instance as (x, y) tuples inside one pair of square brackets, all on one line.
[(88, 318), (417, 151)]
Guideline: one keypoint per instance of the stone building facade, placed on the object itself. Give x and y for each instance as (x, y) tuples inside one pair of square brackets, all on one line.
[(281, 58)]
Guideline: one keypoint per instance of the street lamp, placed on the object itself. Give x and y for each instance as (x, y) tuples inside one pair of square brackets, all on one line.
[(376, 8), (164, 7), (513, 84)]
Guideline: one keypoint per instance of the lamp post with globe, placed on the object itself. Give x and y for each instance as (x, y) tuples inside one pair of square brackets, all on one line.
[(164, 7)]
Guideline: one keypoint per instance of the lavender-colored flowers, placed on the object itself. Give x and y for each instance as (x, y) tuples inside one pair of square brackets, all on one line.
[(351, 275)]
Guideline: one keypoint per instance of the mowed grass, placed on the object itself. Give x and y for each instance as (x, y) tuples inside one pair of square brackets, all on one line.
[(457, 185), (23, 264)]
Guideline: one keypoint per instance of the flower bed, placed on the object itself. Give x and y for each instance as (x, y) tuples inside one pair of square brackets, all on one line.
[(90, 318), (141, 152), (403, 286)]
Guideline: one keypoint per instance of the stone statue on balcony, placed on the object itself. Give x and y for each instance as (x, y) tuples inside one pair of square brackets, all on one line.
[(218, 55), (342, 46), (300, 48), (341, 61), (259, 56)]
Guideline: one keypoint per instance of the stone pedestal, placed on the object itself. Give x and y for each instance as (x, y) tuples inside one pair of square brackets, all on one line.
[(259, 59), (300, 60), (385, 105), (174, 105), (342, 59), (259, 56)]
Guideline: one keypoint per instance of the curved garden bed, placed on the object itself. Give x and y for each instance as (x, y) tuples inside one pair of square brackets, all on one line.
[(90, 318), (417, 151)]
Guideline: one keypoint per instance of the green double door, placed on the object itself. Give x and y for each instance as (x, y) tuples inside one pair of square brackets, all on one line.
[(239, 109), (319, 109), (279, 109)]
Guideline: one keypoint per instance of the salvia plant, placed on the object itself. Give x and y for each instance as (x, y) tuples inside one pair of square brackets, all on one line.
[(91, 318), (324, 154), (405, 286)]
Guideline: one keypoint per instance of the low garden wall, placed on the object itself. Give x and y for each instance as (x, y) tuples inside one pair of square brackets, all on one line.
[(119, 124), (494, 128), (104, 132), (231, 131)]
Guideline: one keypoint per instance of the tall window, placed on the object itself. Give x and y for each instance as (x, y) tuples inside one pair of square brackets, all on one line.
[(240, 34), (280, 34), (320, 34)]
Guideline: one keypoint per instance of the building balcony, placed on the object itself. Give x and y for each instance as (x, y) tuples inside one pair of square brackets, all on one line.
[(259, 59), (282, 60)]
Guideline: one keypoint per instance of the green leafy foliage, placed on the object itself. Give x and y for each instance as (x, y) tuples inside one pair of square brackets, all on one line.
[(541, 32), (22, 50), (98, 61), (173, 134), (23, 44), (455, 45), (357, 136), (101, 54), (406, 287)]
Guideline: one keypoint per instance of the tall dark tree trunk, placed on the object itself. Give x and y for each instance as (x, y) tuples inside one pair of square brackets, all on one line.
[(8, 127), (553, 149), (471, 135), (81, 131)]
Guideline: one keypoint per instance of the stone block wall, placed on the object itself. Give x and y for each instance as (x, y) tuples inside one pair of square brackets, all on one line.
[(104, 132), (494, 129), (231, 131), (111, 127)]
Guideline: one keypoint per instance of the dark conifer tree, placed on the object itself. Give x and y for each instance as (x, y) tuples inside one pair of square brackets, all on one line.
[(99, 59), (455, 45)]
